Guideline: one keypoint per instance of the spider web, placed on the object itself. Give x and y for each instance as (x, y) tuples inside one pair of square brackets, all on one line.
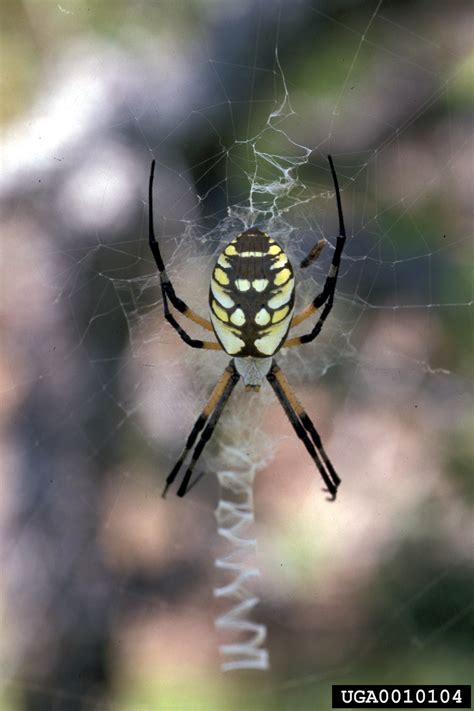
[(102, 393)]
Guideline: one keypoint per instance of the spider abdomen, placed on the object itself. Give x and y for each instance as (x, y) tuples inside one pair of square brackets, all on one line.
[(252, 295)]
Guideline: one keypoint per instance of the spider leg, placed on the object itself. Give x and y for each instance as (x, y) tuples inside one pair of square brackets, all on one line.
[(326, 296), (166, 285), (304, 428), (208, 430), (193, 342), (207, 420)]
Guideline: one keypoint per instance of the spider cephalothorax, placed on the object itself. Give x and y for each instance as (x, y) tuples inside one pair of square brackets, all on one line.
[(251, 301)]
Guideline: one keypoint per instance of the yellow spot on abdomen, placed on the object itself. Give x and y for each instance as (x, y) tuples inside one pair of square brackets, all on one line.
[(280, 314), (221, 277), (220, 312), (280, 262), (282, 277), (223, 262)]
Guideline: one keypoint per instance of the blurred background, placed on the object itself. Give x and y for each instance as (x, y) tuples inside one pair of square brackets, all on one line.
[(106, 589)]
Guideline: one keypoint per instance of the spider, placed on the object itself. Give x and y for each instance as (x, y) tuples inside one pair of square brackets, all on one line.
[(251, 304)]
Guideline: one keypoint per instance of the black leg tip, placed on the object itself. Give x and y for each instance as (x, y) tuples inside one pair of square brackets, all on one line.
[(332, 494)]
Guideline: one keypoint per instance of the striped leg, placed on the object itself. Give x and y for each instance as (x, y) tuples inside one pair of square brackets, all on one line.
[(167, 288), (326, 296), (193, 342), (207, 420), (304, 428)]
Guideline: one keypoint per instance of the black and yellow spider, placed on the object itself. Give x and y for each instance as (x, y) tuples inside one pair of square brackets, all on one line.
[(251, 300)]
